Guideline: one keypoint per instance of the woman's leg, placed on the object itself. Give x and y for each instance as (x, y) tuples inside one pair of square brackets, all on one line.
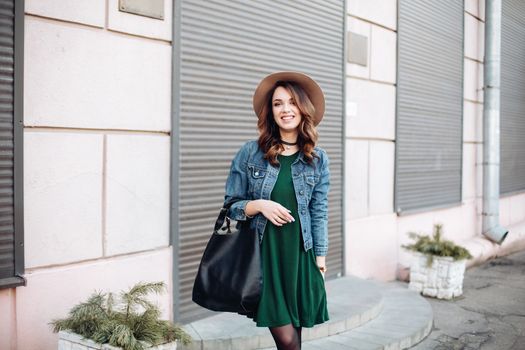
[(299, 329), (286, 337)]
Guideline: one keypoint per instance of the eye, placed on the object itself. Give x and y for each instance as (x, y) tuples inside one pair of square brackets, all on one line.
[(276, 104)]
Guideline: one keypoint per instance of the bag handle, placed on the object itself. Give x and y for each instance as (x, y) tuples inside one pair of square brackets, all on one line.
[(222, 217)]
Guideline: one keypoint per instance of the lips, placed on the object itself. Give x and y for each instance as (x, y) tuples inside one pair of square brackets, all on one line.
[(287, 117)]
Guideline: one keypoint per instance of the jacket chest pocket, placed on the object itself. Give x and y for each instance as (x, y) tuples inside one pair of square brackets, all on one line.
[(310, 179), (256, 177)]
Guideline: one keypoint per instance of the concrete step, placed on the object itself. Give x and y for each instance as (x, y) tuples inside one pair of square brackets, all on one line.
[(353, 303), (406, 319)]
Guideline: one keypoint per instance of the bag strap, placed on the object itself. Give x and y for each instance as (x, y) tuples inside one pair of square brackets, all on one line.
[(222, 217)]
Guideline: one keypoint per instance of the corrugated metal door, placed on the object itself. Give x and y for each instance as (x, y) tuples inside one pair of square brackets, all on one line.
[(429, 104), (512, 141), (11, 249), (225, 48)]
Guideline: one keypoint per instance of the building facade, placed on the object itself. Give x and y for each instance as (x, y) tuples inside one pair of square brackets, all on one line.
[(120, 119)]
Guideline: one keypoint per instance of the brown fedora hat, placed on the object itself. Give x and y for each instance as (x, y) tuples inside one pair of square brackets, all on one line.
[(312, 89)]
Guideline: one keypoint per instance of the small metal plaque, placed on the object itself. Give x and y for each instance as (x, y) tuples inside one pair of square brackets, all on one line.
[(147, 8), (357, 49)]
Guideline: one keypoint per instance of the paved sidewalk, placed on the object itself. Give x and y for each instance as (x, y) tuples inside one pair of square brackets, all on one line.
[(490, 315)]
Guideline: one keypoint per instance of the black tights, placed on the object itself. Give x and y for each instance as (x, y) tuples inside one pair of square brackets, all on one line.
[(287, 337)]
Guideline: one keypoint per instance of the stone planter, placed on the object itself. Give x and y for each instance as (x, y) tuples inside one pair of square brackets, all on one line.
[(442, 280), (72, 341)]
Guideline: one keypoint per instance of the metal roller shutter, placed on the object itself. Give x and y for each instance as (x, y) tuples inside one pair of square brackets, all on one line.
[(512, 140), (429, 104), (11, 235), (225, 48)]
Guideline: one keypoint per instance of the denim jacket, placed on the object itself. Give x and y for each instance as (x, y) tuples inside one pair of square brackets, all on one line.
[(253, 177)]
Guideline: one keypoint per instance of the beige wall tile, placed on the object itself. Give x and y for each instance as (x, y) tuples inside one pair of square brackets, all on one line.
[(374, 109), (138, 192), (472, 122), (381, 177), (356, 178), (383, 55), (473, 80), (383, 12), (90, 12), (357, 26), (474, 38), (86, 78), (140, 25), (62, 197)]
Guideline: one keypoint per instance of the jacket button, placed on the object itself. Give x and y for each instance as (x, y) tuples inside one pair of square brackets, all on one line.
[(303, 211), (256, 173), (301, 192)]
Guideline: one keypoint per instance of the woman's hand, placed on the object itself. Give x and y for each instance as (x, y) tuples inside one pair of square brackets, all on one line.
[(273, 211), (321, 264)]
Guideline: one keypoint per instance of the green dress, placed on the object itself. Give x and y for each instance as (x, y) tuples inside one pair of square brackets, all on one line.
[(293, 288)]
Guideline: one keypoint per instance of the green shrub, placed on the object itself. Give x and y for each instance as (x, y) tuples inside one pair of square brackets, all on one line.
[(131, 322), (436, 246)]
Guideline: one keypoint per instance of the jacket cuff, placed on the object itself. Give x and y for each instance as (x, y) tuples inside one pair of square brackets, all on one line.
[(237, 211), (320, 251)]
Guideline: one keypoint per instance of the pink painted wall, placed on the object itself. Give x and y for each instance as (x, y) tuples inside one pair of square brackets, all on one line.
[(8, 319), (51, 292)]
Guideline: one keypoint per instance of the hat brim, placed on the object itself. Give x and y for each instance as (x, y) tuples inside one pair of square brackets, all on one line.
[(312, 89)]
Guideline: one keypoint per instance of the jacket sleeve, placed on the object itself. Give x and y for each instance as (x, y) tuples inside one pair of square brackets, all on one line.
[(319, 209), (237, 186)]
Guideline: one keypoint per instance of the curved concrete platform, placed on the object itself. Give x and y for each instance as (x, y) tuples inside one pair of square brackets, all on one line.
[(355, 305), (406, 319)]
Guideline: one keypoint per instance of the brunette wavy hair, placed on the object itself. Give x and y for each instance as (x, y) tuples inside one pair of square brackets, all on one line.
[(269, 135)]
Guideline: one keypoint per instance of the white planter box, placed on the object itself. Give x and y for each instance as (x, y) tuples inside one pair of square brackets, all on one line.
[(442, 280), (72, 341)]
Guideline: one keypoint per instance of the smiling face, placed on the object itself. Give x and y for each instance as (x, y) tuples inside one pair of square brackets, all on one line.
[(285, 111)]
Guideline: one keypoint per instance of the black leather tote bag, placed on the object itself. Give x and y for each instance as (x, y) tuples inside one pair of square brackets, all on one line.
[(230, 275)]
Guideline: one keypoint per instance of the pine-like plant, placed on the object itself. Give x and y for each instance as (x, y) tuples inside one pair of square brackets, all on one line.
[(436, 246), (131, 322)]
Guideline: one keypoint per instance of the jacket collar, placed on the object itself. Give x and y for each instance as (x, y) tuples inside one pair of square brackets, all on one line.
[(302, 157)]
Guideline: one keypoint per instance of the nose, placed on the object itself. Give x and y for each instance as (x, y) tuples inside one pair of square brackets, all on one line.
[(286, 107)]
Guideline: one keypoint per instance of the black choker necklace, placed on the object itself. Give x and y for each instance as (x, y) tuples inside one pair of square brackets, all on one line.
[(288, 143)]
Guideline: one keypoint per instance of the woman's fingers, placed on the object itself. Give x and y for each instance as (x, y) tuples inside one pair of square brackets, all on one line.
[(285, 213), (274, 222), (276, 213), (281, 220)]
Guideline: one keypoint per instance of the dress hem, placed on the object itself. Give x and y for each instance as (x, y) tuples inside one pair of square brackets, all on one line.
[(280, 324)]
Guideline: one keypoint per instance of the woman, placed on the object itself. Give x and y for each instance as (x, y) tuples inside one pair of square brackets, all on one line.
[(280, 183)]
